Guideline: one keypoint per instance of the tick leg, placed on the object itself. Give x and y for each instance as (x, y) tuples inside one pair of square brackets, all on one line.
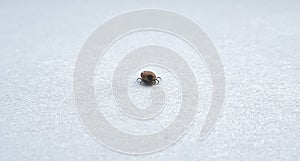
[(158, 78), (153, 82), (139, 80), (156, 81)]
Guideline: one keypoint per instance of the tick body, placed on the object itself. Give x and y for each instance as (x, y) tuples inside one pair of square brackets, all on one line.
[(148, 78)]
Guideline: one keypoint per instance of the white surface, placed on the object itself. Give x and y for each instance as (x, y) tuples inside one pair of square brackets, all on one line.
[(258, 43)]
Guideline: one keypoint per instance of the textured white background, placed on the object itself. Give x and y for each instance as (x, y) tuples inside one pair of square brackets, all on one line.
[(258, 42)]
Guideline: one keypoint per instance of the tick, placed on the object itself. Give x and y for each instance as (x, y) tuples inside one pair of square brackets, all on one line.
[(148, 78)]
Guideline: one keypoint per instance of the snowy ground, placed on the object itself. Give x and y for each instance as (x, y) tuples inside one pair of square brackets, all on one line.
[(258, 42)]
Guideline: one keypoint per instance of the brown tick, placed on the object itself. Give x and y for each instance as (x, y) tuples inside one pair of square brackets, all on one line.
[(148, 78)]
